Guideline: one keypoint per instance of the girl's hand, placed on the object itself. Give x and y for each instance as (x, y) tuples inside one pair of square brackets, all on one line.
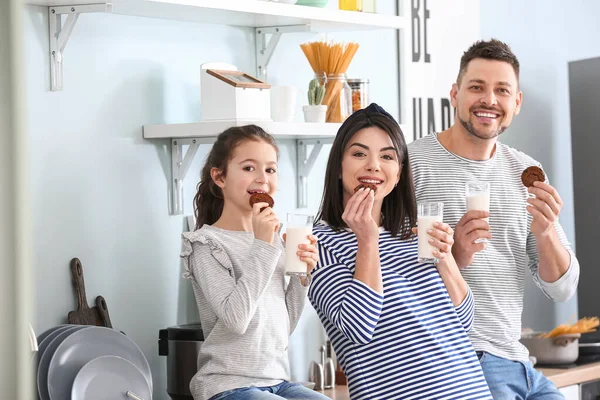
[(357, 214), (308, 253), (265, 223)]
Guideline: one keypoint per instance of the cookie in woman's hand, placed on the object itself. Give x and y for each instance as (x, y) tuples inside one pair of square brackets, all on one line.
[(366, 186), (261, 198), (532, 174)]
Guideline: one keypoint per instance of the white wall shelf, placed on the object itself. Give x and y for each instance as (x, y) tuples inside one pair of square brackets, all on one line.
[(210, 129), (270, 20), (249, 13)]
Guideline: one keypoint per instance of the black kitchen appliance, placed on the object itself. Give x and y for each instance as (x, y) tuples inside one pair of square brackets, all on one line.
[(181, 345), (589, 348)]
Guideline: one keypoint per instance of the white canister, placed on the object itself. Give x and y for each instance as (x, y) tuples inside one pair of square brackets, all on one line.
[(283, 103)]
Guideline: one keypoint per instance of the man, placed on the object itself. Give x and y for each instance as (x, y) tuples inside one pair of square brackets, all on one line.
[(523, 230)]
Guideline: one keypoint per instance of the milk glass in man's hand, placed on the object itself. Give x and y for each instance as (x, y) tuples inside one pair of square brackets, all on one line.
[(478, 198), (298, 227), (428, 213)]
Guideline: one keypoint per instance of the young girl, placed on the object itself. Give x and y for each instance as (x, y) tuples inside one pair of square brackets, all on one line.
[(235, 260), (398, 327)]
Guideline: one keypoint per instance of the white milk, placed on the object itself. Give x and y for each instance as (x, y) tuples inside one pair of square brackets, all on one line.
[(480, 201), (295, 235), (424, 224)]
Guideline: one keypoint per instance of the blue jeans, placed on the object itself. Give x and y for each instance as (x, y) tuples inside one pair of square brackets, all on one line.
[(285, 390), (515, 380)]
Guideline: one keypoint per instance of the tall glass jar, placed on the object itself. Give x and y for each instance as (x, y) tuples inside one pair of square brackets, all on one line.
[(360, 93), (338, 98)]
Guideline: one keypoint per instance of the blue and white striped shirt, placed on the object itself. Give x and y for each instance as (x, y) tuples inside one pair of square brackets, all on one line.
[(410, 342)]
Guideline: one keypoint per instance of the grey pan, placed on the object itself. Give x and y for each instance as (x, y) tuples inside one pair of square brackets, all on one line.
[(46, 357), (48, 331), (43, 341), (110, 378), (82, 347), (47, 339)]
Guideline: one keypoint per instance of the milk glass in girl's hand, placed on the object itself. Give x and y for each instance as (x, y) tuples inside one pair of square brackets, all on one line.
[(298, 228)]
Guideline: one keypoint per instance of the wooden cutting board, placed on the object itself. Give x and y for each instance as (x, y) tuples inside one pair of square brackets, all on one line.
[(84, 314), (103, 309)]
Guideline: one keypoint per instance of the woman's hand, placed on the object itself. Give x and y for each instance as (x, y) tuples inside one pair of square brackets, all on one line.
[(357, 214), (441, 237), (265, 223)]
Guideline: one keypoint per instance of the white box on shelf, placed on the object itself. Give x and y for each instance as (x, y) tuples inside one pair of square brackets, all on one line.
[(227, 94)]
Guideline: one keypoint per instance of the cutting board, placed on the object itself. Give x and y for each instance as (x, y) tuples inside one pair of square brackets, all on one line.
[(103, 309), (84, 315)]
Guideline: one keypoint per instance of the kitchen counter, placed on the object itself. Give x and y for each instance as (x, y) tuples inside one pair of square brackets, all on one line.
[(571, 376), (561, 377), (339, 392)]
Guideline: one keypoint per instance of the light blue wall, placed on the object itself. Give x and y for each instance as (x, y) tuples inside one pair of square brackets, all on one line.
[(546, 35), (100, 191)]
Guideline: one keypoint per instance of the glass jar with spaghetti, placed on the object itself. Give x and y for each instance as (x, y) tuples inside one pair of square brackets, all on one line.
[(360, 93), (338, 98)]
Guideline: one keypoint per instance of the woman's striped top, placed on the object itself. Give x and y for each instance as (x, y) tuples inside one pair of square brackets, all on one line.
[(410, 342)]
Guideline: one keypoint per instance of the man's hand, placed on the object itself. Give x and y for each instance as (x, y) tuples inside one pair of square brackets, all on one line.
[(471, 227), (544, 208)]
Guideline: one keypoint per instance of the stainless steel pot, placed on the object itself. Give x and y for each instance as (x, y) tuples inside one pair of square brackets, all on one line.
[(563, 349)]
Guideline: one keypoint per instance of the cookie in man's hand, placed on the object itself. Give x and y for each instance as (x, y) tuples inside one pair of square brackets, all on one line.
[(532, 174)]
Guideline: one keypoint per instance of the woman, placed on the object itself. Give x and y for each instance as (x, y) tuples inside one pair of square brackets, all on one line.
[(398, 327)]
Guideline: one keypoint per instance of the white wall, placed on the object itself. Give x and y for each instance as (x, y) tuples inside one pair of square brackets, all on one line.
[(441, 31), (100, 191), (545, 36)]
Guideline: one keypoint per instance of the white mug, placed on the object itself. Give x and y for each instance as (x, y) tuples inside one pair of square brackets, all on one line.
[(283, 103)]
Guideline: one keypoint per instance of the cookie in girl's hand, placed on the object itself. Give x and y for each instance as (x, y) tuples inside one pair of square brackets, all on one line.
[(366, 186), (532, 174), (261, 198)]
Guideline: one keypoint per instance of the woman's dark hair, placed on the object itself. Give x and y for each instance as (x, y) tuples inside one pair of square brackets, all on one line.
[(400, 205), (208, 202)]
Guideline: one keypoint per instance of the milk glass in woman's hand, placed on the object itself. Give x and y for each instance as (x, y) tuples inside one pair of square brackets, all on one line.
[(428, 213), (478, 198), (298, 228)]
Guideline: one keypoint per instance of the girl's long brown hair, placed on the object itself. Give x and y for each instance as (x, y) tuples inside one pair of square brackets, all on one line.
[(208, 202)]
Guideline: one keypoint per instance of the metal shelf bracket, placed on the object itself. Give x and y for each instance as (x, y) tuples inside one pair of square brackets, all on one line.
[(180, 164), (60, 34), (304, 164), (265, 49)]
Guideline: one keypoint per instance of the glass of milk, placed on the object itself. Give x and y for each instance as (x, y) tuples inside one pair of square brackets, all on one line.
[(478, 198), (298, 227), (428, 213)]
